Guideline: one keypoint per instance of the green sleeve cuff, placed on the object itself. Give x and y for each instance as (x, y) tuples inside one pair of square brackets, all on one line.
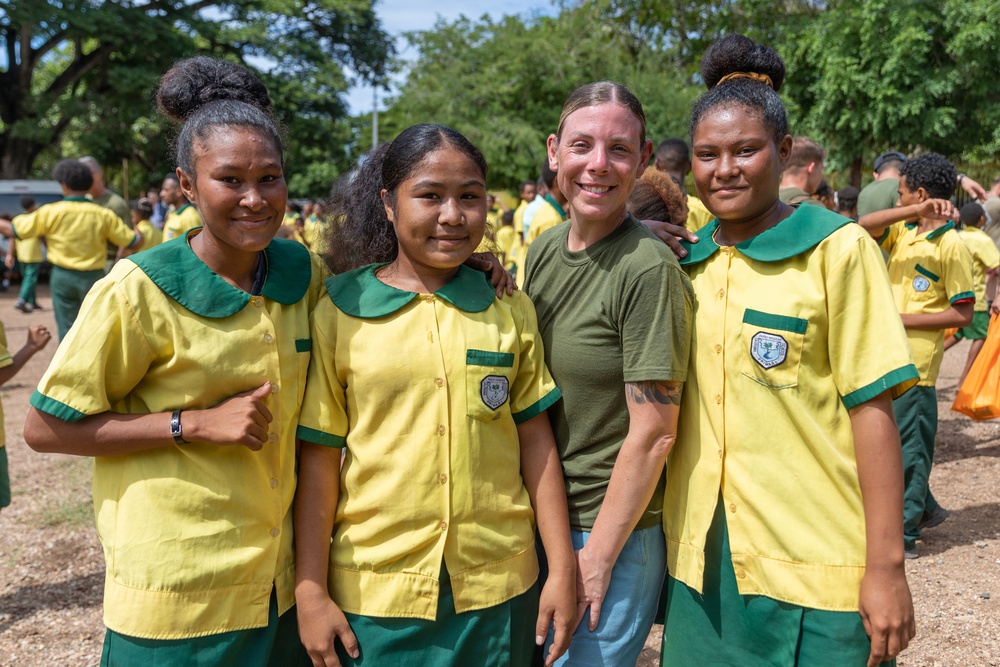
[(962, 296), (907, 376), (53, 407), (320, 437), (538, 407), (885, 235)]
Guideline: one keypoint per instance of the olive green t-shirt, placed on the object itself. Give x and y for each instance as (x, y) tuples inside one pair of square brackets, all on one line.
[(120, 207), (878, 196), (619, 311)]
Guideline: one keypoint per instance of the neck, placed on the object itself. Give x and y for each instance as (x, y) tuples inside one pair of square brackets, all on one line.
[(795, 181), (405, 274), (929, 224), (236, 267), (734, 232), (585, 233)]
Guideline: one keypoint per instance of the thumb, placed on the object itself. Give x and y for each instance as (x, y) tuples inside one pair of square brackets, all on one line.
[(262, 391)]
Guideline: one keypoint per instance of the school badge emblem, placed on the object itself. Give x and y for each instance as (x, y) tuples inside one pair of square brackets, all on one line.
[(494, 389), (768, 350), (921, 284)]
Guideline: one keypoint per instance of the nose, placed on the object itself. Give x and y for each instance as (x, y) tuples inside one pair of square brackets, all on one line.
[(726, 166), (598, 159), (450, 212), (251, 199)]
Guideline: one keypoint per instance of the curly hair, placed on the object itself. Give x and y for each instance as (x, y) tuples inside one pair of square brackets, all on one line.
[(931, 171), (738, 54), (657, 197), (73, 174)]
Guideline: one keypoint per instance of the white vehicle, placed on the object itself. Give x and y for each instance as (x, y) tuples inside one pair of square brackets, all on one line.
[(44, 192)]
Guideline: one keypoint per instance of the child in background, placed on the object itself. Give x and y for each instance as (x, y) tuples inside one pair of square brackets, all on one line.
[(929, 270), (506, 241), (985, 261), (437, 391), (142, 212), (846, 200), (29, 256), (38, 338)]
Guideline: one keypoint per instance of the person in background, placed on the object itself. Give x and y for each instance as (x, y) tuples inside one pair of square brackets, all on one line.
[(550, 212), (27, 253), (825, 195), (846, 200), (658, 197), (804, 173), (159, 215), (100, 194), (985, 262), (293, 212), (142, 212), (527, 193), (529, 211), (674, 157), (508, 241), (183, 216)]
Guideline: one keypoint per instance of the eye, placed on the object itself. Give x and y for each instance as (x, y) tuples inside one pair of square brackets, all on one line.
[(232, 180)]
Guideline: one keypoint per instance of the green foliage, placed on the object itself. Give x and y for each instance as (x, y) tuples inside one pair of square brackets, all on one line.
[(81, 74)]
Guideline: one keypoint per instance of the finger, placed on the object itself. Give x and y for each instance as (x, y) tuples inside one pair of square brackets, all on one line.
[(877, 654), (542, 626), (349, 641), (560, 642), (894, 643), (265, 412), (252, 442), (262, 391), (581, 611), (676, 247), (595, 615)]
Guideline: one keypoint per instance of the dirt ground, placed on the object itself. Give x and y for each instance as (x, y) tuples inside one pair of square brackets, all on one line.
[(52, 569)]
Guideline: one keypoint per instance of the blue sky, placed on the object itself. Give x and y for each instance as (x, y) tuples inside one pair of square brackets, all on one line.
[(400, 16)]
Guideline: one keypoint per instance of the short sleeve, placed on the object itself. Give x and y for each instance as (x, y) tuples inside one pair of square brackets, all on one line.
[(957, 263), (103, 357), (534, 390), (29, 226), (5, 358), (118, 232), (989, 254), (654, 319), (323, 420), (868, 348), (891, 234)]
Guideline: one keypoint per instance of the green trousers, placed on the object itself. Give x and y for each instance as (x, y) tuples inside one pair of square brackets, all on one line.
[(917, 417), (69, 288), (29, 280)]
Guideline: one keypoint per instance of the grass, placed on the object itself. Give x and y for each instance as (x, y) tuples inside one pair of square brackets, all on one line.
[(74, 507)]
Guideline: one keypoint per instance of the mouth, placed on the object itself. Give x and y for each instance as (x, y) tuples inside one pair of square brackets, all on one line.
[(728, 191), (596, 189)]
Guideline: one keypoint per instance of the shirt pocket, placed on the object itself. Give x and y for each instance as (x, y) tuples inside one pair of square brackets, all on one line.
[(303, 352), (772, 348), (923, 283), (487, 384)]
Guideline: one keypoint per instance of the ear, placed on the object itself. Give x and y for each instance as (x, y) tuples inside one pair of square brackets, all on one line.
[(187, 185), (644, 156), (552, 144), (922, 194), (389, 213), (784, 151)]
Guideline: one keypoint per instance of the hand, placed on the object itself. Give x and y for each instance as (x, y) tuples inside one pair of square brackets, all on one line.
[(239, 420), (38, 337), (995, 308), (973, 189), (321, 623), (592, 579), (487, 262), (671, 234), (9, 262), (937, 209), (557, 607), (887, 612)]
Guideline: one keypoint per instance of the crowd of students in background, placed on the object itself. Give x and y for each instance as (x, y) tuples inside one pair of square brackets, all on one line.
[(490, 465)]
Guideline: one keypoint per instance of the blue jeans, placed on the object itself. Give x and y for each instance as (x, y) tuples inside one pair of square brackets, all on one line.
[(629, 604)]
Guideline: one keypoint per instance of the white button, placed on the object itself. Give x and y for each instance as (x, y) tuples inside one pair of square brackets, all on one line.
[(274, 483), (428, 297), (268, 338), (443, 478), (718, 349), (722, 293), (444, 525), (741, 575), (439, 382), (732, 507), (257, 301), (274, 388), (441, 429), (275, 532), (273, 437), (718, 399)]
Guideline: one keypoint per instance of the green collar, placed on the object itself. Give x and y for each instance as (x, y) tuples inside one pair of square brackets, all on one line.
[(360, 293), (182, 207), (559, 209), (799, 232), (187, 280), (74, 198), (931, 235)]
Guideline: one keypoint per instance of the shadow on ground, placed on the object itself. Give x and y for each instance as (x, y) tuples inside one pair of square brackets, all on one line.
[(84, 591), (963, 527)]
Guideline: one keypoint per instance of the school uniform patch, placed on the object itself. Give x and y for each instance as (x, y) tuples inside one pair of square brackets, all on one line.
[(921, 284), (494, 390), (768, 350)]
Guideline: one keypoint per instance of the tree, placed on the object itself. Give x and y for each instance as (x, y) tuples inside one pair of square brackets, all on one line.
[(89, 67)]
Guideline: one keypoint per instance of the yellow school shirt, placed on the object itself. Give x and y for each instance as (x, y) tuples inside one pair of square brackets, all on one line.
[(76, 232), (929, 273), (546, 217), (985, 256), (792, 329), (29, 251), (5, 360), (180, 221), (519, 215), (195, 536), (425, 392), (506, 237), (698, 215), (151, 236)]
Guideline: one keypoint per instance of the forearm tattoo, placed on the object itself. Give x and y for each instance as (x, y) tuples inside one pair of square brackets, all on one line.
[(663, 392)]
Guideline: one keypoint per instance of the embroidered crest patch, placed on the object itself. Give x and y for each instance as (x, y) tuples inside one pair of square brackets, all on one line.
[(494, 390), (921, 284), (768, 350)]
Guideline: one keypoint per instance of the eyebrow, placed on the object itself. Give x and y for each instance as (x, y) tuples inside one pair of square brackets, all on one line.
[(240, 167), (585, 135), (436, 184)]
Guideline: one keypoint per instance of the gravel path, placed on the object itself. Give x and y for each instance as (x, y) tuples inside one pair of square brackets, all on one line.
[(52, 569)]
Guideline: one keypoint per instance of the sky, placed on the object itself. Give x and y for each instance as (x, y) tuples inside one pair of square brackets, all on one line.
[(400, 16)]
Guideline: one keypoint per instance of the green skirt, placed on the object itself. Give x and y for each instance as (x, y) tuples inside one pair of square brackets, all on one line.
[(275, 645), (499, 636), (723, 627)]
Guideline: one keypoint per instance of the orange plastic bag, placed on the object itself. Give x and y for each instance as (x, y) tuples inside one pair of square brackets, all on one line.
[(948, 333), (979, 395)]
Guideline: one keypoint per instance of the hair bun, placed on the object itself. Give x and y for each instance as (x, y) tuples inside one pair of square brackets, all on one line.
[(736, 53), (192, 83)]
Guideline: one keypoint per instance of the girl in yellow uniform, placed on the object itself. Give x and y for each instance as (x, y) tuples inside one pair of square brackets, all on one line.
[(437, 391), (784, 497), (184, 379)]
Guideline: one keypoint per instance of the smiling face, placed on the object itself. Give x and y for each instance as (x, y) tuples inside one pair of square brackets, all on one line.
[(737, 165), (438, 211), (598, 157), (239, 188)]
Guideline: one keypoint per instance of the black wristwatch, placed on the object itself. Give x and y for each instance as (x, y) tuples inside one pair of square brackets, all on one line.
[(176, 430)]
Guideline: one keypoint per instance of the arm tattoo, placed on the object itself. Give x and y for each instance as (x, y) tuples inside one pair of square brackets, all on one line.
[(655, 391)]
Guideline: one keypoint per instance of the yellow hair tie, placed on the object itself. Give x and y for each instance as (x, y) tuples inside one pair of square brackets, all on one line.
[(763, 78)]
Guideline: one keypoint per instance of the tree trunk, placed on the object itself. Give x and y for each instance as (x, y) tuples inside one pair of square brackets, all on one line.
[(17, 155), (856, 171)]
